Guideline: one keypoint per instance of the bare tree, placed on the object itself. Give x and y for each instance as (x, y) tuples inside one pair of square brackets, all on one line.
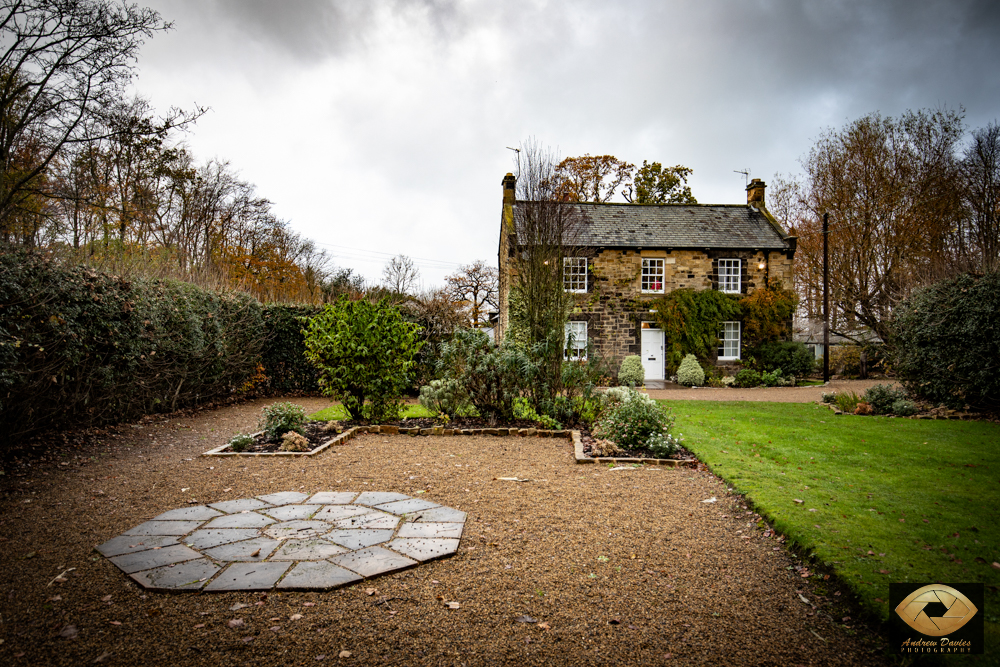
[(475, 286), (979, 236), (400, 275)]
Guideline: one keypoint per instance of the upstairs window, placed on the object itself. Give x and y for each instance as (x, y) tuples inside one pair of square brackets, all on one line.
[(575, 274), (652, 275), (729, 276), (576, 340), (729, 341)]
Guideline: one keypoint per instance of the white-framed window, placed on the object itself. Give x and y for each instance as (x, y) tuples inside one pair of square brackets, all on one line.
[(575, 274), (576, 340), (729, 276), (729, 341), (652, 275)]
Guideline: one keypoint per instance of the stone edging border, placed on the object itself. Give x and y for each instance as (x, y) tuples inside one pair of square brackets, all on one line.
[(349, 434)]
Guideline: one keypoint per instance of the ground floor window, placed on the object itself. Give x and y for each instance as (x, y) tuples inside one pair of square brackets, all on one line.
[(576, 340), (729, 341)]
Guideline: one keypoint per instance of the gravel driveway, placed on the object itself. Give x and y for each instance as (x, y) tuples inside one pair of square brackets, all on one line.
[(581, 565)]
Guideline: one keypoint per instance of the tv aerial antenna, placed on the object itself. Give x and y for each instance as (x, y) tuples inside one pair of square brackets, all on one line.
[(746, 175), (518, 151)]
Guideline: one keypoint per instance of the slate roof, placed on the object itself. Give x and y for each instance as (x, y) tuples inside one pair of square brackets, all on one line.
[(675, 226)]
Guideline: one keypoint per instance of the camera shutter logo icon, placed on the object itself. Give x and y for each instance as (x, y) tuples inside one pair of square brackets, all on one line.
[(922, 610)]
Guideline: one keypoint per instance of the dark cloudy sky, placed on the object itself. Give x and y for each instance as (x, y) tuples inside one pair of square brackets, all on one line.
[(380, 128)]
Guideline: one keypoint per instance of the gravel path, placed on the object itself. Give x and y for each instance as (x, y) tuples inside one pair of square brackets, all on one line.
[(582, 565), (768, 394)]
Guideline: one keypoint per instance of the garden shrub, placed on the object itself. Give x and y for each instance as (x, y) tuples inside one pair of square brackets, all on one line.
[(631, 373), (792, 358), (445, 397), (280, 418), (747, 377), (240, 442), (364, 352), (631, 418), (946, 344), (663, 444), (771, 378), (904, 408), (881, 398), (847, 401), (491, 375), (690, 373)]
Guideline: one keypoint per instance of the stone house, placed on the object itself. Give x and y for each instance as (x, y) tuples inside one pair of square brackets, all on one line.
[(627, 255)]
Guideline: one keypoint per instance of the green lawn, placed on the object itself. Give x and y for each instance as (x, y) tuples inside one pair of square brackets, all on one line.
[(884, 500), (336, 411)]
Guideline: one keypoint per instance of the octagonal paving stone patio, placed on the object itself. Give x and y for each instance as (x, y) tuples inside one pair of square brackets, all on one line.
[(288, 541)]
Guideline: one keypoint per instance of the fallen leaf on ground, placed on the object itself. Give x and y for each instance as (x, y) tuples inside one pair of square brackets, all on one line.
[(453, 605), (57, 598), (294, 617), (238, 606), (237, 623), (255, 554), (274, 628), (345, 654), (803, 598), (102, 657), (106, 598), (995, 565), (545, 626), (247, 640), (308, 604), (200, 625), (69, 632), (797, 501), (524, 618), (371, 591), (115, 622), (710, 500)]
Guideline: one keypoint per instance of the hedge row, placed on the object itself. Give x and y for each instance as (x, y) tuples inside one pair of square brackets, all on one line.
[(79, 347)]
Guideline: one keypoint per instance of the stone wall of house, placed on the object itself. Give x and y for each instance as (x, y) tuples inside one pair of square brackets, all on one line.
[(614, 306)]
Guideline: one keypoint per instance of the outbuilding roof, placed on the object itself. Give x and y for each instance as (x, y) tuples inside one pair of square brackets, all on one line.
[(676, 226)]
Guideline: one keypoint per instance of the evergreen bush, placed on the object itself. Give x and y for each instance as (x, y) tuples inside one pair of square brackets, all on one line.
[(882, 397), (904, 408), (793, 359), (364, 352), (445, 397), (946, 344), (690, 372), (280, 418), (631, 373), (631, 418), (746, 377)]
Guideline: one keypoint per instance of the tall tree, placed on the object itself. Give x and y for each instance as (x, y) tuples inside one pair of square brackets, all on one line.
[(62, 65), (979, 236), (654, 184), (891, 189), (475, 287), (594, 178)]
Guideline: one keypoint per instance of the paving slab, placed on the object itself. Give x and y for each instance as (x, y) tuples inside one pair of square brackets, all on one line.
[(373, 520), (432, 529), (243, 551), (373, 561), (241, 520), (297, 529), (407, 506), (317, 575), (359, 539), (379, 497), (164, 528), (187, 576), (198, 512), (292, 512), (438, 514), (231, 506), (147, 560), (284, 498), (424, 549), (249, 577), (126, 544), (305, 542), (334, 512), (332, 498), (311, 549), (206, 539)]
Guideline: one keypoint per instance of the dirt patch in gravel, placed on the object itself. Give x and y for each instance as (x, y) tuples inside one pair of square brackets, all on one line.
[(621, 567)]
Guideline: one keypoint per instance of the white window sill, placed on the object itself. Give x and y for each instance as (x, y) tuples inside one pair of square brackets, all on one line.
[(574, 291), (728, 358), (650, 291)]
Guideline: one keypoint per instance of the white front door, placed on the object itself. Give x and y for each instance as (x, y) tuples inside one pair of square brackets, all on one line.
[(652, 353)]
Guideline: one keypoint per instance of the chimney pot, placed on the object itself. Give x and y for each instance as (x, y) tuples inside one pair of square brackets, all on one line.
[(755, 193)]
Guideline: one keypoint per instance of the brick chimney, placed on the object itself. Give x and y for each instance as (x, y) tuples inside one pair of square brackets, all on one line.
[(755, 193), (509, 183)]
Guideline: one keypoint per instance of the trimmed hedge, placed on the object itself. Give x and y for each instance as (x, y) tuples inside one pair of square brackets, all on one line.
[(79, 347), (283, 355)]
